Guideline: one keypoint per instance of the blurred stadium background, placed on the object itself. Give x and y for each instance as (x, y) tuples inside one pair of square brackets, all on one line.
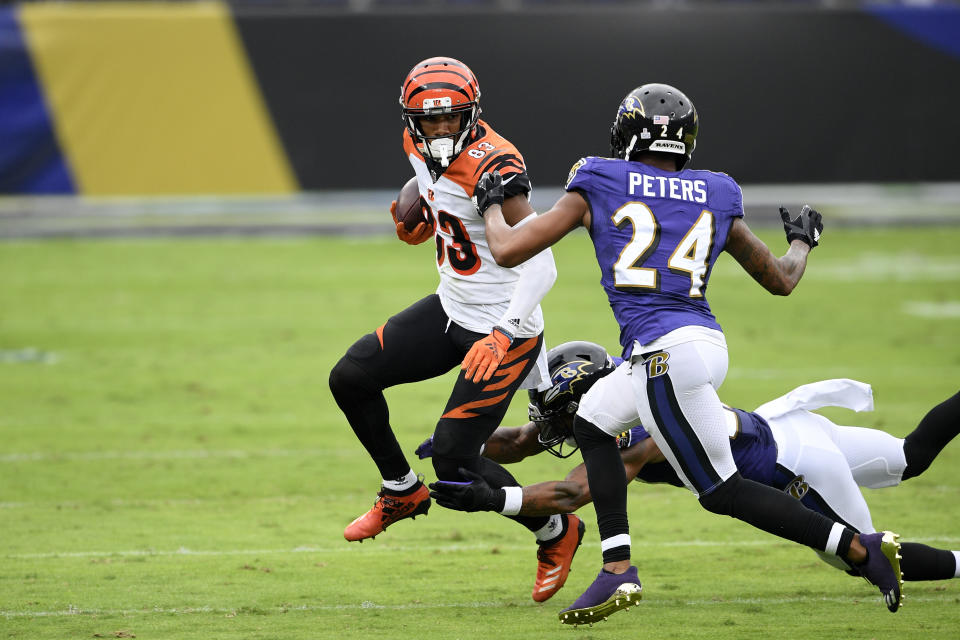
[(262, 116)]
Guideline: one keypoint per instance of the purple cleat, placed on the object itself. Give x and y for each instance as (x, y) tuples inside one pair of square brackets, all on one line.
[(609, 593), (882, 567)]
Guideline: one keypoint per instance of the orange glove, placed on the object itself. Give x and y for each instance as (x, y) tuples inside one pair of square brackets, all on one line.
[(486, 355), (421, 233)]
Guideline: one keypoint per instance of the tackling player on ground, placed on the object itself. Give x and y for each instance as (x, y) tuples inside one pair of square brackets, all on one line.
[(781, 444), (483, 317), (658, 229)]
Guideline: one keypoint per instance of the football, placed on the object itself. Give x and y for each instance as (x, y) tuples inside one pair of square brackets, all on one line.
[(409, 211)]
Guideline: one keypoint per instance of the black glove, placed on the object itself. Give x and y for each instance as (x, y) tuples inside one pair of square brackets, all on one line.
[(807, 226), (474, 495), (489, 191)]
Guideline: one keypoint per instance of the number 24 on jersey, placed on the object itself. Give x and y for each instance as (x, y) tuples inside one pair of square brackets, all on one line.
[(689, 256)]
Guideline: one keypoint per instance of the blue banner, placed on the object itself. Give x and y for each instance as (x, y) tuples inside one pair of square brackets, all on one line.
[(30, 158)]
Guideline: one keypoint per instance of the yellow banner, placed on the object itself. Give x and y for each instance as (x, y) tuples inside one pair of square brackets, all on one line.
[(154, 99)]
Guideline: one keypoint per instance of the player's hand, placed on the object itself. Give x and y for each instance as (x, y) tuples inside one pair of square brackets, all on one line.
[(489, 191), (421, 233), (425, 450), (807, 226), (473, 495), (486, 355)]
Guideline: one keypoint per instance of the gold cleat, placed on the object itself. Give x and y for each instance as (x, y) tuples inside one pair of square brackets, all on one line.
[(626, 595)]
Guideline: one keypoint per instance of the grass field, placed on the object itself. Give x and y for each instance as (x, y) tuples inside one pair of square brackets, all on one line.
[(173, 465)]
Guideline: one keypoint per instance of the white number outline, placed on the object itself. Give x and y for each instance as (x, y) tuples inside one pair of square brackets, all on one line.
[(693, 253), (626, 272), (689, 257)]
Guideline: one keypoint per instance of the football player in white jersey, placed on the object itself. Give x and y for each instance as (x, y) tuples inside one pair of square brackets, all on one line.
[(483, 317)]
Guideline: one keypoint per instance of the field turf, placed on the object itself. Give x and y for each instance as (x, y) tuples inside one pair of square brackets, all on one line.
[(173, 466)]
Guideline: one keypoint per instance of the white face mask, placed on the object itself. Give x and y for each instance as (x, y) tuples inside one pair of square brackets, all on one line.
[(441, 149)]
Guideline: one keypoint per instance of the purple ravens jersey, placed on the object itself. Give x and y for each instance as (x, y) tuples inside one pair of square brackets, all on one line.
[(656, 234), (754, 451)]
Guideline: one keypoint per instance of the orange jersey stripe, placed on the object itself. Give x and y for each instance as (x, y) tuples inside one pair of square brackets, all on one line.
[(519, 350), (380, 334), (463, 411), (509, 374)]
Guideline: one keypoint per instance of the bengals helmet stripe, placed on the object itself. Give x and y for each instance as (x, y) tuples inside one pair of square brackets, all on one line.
[(436, 86), (443, 76)]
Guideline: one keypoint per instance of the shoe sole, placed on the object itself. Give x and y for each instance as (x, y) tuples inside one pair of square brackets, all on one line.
[(891, 551), (627, 595)]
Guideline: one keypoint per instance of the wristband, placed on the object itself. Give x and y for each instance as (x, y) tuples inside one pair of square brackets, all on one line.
[(509, 335), (513, 500)]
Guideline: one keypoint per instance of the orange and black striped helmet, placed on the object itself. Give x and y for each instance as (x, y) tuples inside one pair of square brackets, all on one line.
[(435, 86)]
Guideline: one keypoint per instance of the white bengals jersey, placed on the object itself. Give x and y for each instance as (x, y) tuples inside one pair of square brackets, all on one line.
[(474, 289)]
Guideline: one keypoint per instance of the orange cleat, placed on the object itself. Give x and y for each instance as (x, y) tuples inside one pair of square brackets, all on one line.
[(554, 559), (386, 510)]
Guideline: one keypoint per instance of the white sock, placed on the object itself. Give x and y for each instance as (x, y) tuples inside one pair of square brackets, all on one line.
[(956, 572), (551, 530), (399, 484)]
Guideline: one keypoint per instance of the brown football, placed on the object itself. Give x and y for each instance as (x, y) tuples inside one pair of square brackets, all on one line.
[(409, 210)]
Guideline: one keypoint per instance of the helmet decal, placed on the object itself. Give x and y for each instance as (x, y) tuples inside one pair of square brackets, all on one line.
[(574, 368), (655, 117), (568, 374), (631, 108)]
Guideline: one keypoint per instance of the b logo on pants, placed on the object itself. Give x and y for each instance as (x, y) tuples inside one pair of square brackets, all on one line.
[(657, 364), (797, 488)]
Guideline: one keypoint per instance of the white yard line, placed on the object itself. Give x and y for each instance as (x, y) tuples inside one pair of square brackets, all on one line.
[(374, 547), (649, 601), (185, 454)]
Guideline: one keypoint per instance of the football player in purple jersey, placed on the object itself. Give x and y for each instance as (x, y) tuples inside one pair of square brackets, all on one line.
[(782, 444), (658, 228)]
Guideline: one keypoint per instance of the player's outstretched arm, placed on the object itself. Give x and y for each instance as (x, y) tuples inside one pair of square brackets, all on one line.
[(505, 445), (571, 493), (511, 246), (544, 498), (513, 444), (779, 276)]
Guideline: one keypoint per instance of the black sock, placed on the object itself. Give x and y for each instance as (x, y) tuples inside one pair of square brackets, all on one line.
[(774, 512), (938, 427), (921, 562), (608, 484)]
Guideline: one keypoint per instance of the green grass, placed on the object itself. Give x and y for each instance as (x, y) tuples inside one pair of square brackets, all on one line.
[(173, 465)]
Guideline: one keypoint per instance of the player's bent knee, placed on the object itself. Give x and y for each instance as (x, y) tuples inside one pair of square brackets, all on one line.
[(721, 500), (348, 380), (451, 452)]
